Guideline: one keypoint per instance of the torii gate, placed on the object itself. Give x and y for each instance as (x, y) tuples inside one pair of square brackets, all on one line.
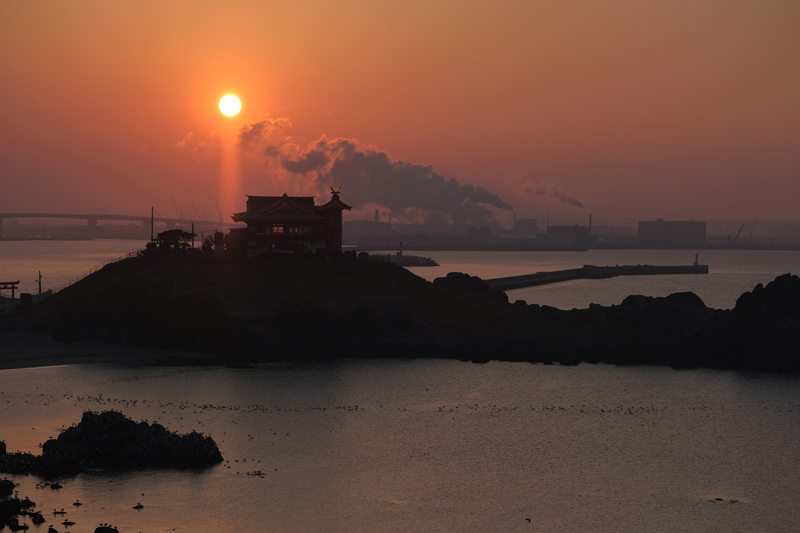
[(4, 285)]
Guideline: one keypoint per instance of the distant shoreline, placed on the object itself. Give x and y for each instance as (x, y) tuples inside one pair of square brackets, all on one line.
[(46, 238), (513, 247), (505, 247)]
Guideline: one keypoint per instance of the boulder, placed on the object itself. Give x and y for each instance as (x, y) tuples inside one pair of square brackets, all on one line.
[(471, 287), (6, 488), (9, 509), (27, 503)]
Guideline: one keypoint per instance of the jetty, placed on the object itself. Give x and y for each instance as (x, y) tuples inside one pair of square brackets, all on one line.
[(404, 260), (591, 272)]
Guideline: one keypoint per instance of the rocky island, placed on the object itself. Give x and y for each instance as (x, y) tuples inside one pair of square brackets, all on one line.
[(258, 311), (109, 440)]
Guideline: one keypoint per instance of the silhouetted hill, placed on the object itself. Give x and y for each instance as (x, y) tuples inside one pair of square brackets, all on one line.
[(294, 310)]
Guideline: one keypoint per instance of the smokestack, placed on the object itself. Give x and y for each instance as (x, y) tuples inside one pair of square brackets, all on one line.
[(376, 217)]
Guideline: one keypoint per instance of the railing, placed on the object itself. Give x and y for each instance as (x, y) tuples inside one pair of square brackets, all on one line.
[(121, 257)]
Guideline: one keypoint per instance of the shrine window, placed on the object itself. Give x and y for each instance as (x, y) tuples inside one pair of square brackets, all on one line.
[(277, 228), (293, 230)]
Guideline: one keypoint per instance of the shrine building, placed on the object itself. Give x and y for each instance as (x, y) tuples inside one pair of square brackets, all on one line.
[(288, 225)]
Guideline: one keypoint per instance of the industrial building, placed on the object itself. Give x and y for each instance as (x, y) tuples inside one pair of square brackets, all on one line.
[(672, 233), (525, 226), (576, 237)]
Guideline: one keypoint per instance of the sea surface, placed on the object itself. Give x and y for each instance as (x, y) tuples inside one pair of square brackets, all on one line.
[(436, 446), (431, 446)]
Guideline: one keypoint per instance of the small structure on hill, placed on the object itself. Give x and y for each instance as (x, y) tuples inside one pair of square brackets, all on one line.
[(173, 239), (288, 225)]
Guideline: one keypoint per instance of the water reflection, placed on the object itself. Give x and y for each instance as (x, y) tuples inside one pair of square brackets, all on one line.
[(432, 446)]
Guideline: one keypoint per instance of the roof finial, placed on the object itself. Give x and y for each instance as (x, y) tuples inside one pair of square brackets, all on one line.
[(335, 192)]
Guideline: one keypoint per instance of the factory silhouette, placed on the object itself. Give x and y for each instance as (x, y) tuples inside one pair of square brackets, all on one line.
[(309, 228)]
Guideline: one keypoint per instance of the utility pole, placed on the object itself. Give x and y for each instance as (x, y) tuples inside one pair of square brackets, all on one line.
[(40, 283)]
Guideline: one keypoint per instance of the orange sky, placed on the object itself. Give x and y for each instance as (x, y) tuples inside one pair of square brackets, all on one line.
[(669, 109)]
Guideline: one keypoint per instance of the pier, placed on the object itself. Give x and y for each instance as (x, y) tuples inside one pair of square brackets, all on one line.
[(591, 272)]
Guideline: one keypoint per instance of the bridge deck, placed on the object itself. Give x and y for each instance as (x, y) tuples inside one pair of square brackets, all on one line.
[(132, 218)]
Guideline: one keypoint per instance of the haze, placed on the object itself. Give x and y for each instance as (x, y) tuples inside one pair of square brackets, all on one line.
[(669, 109)]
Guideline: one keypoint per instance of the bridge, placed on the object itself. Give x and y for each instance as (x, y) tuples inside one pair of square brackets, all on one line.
[(92, 220)]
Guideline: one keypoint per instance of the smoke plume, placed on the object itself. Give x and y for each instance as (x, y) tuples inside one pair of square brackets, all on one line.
[(548, 189), (368, 176)]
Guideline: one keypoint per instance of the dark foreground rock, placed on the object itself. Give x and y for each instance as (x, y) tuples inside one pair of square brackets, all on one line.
[(109, 440), (6, 488), (9, 509), (251, 311)]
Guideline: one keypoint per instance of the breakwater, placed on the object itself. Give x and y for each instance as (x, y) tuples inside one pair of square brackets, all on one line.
[(591, 272)]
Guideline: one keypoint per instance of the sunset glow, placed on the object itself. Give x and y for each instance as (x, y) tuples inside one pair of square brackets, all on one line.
[(230, 105), (633, 110)]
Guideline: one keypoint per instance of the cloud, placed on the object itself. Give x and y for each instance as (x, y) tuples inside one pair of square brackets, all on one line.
[(255, 133), (548, 189), (312, 160), (194, 144)]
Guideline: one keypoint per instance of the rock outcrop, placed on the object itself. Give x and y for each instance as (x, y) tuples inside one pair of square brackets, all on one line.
[(109, 440), (766, 332)]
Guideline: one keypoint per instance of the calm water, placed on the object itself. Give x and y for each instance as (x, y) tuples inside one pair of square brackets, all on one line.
[(403, 446), (58, 261), (433, 446)]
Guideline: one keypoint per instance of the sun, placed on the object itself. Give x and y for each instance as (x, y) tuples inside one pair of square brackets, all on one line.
[(230, 105)]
